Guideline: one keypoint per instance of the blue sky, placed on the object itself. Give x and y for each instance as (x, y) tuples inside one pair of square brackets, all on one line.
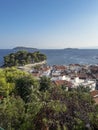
[(48, 23)]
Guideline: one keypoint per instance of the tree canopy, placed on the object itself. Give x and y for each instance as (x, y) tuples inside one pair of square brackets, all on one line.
[(30, 104), (23, 58)]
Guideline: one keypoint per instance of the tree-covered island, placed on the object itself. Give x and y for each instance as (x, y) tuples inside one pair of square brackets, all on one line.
[(23, 58)]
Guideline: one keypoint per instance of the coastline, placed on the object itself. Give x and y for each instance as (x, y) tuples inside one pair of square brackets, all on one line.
[(28, 67)]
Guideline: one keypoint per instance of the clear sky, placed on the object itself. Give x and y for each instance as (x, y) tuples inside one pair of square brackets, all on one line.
[(48, 23)]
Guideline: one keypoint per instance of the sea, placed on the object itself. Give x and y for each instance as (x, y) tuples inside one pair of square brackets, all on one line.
[(63, 56)]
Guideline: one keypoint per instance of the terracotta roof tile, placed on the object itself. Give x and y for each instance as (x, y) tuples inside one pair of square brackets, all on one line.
[(94, 93), (62, 82), (60, 67)]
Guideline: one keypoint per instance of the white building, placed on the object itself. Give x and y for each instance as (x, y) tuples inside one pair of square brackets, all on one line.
[(86, 83)]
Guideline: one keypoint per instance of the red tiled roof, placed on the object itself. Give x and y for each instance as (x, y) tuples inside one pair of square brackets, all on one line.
[(45, 69), (82, 75), (74, 65), (94, 68), (94, 93), (62, 82), (60, 67)]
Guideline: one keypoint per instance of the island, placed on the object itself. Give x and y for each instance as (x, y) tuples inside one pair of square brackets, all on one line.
[(24, 48), (21, 58), (71, 48)]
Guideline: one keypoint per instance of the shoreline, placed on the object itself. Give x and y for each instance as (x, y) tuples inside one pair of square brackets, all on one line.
[(28, 67)]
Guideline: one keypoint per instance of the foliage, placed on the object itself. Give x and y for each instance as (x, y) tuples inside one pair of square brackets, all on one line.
[(11, 113), (30, 104), (22, 58), (8, 77), (66, 110), (45, 83), (24, 86), (12, 74)]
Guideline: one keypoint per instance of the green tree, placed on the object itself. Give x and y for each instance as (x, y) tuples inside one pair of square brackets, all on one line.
[(24, 86), (45, 83), (44, 111), (22, 58), (12, 113), (12, 74), (5, 87)]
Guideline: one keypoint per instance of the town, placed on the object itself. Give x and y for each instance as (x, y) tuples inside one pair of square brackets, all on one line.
[(70, 76)]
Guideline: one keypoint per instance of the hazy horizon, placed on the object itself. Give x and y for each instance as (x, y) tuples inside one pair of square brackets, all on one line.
[(96, 47), (53, 24)]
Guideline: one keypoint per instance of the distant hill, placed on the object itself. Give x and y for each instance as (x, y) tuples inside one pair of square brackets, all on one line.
[(24, 48), (71, 48)]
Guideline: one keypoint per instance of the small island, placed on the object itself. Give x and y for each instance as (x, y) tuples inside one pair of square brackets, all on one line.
[(24, 48), (21, 58), (71, 48)]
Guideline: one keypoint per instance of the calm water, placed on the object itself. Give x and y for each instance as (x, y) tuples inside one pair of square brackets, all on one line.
[(86, 56)]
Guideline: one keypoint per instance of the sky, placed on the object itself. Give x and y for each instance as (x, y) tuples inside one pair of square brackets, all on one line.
[(48, 24)]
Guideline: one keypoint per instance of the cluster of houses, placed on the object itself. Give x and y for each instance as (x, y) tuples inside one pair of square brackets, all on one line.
[(71, 76)]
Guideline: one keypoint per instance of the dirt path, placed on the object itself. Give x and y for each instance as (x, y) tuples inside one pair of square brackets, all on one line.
[(28, 67)]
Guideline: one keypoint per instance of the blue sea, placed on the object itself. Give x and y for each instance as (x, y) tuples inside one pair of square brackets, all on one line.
[(63, 56)]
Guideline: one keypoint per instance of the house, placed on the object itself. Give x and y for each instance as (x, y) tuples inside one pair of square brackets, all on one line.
[(64, 77), (82, 75), (74, 67), (91, 84), (86, 83), (59, 68), (62, 83), (46, 71), (60, 77), (94, 69), (55, 73)]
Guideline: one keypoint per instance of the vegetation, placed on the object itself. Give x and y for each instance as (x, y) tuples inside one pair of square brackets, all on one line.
[(22, 58), (29, 104)]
